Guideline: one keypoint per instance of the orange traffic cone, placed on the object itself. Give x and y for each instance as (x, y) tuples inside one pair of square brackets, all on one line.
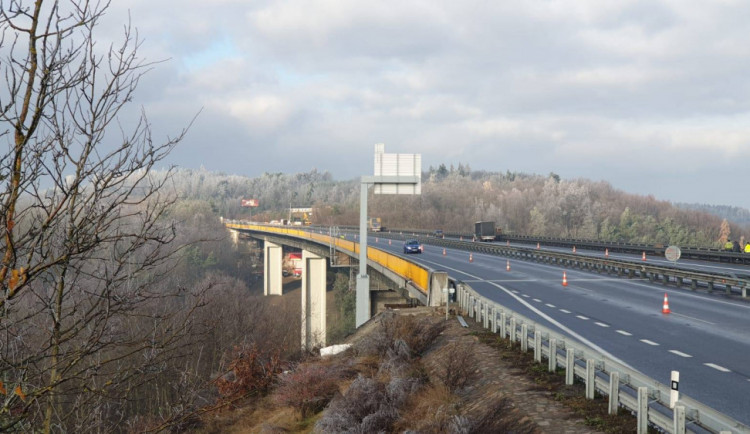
[(461, 238), (665, 307), (376, 240), (643, 258), (507, 266), (565, 279), (471, 257), (389, 242), (507, 243), (574, 249), (606, 253), (443, 252), (537, 246)]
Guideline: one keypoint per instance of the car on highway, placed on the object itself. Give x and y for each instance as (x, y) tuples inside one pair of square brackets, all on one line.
[(412, 246), (438, 233)]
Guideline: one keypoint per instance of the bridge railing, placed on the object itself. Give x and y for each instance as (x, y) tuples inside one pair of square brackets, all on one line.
[(625, 386), (419, 276)]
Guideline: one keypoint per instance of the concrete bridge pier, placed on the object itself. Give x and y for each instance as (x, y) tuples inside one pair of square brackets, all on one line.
[(272, 258), (313, 301)]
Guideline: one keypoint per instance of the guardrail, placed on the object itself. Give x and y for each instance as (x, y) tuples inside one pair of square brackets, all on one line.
[(667, 275), (689, 252), (625, 387), (418, 276)]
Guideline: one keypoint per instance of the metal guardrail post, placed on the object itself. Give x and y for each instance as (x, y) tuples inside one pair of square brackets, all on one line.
[(494, 319), (485, 316), (524, 337), (678, 416), (512, 330), (590, 378), (552, 355), (614, 392), (503, 329), (477, 310), (570, 364), (537, 345), (642, 410)]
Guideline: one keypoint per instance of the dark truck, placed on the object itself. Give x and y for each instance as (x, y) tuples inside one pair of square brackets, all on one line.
[(484, 231)]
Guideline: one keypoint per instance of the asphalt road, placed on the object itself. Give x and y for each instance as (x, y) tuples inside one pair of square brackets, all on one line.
[(706, 337)]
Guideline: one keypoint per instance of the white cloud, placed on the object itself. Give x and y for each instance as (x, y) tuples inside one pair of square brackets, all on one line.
[(585, 88)]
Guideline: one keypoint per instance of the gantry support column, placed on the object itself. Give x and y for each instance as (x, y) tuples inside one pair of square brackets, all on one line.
[(313, 301), (272, 254)]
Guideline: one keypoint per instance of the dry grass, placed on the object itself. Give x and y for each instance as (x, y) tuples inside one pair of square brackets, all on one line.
[(593, 412)]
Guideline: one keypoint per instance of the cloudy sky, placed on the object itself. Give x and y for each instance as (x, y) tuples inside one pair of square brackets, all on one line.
[(652, 96)]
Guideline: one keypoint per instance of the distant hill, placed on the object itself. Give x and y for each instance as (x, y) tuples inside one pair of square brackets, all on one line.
[(453, 199), (734, 214)]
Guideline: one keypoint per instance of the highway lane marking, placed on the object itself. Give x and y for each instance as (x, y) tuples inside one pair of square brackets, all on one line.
[(697, 319), (601, 324), (550, 305), (680, 353), (624, 333), (652, 343), (582, 317), (551, 320), (525, 295), (537, 300), (564, 311), (717, 367)]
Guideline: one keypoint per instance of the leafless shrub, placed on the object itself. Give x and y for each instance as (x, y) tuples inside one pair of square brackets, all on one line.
[(309, 388), (417, 333), (459, 367)]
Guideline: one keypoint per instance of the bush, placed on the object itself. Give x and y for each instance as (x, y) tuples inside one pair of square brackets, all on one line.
[(309, 388), (417, 333), (460, 366), (250, 372)]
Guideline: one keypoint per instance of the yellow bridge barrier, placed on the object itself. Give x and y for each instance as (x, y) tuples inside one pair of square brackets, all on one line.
[(418, 275)]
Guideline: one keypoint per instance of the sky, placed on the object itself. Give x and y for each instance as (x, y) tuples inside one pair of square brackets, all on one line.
[(651, 96)]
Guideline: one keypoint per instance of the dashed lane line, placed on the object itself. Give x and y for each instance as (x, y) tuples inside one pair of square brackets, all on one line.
[(652, 343), (680, 353), (550, 305), (537, 300), (717, 367), (564, 311), (624, 333), (601, 324), (543, 315), (582, 317)]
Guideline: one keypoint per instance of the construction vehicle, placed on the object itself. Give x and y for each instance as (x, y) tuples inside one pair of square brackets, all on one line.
[(373, 225), (485, 231)]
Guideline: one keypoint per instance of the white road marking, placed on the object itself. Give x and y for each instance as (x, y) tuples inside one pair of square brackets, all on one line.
[(556, 323), (601, 324), (582, 317), (525, 295), (515, 292), (646, 341), (624, 333), (717, 367), (564, 311), (537, 300), (550, 305), (693, 318), (680, 353)]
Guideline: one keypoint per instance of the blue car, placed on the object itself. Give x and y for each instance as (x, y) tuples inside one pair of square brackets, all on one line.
[(412, 246)]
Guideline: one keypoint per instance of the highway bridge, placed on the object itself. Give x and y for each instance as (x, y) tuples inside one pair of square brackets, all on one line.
[(611, 309)]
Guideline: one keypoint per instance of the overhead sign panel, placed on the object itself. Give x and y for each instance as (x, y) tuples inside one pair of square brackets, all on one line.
[(393, 167)]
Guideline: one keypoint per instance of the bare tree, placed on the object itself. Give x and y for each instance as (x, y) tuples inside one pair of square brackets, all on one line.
[(85, 233)]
